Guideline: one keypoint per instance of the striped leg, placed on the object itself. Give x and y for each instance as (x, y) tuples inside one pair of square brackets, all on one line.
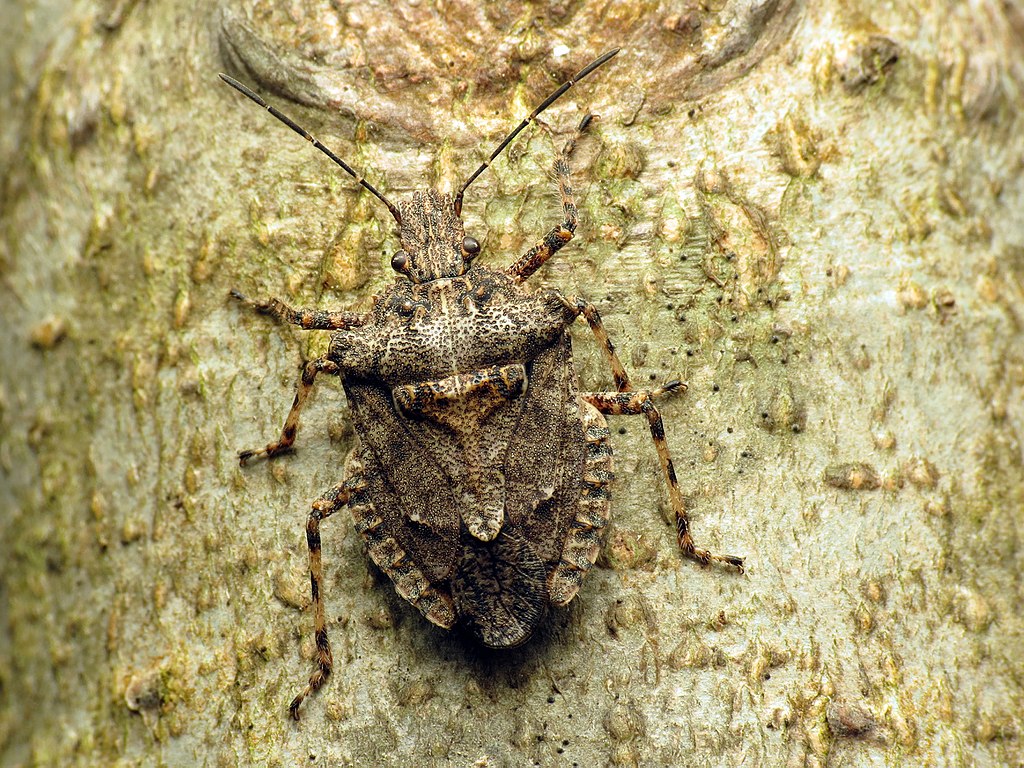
[(307, 319), (561, 233), (291, 424), (324, 507), (641, 404), (590, 314), (627, 402)]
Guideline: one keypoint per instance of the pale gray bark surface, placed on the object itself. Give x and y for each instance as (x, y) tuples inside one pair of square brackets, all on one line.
[(810, 213)]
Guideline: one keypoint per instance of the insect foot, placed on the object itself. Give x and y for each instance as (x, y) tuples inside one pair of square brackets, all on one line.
[(481, 479)]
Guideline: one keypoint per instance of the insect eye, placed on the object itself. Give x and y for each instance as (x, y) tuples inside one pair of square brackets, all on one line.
[(470, 246), (400, 261)]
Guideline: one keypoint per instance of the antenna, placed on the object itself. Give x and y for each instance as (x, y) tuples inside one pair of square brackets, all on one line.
[(314, 141), (533, 115)]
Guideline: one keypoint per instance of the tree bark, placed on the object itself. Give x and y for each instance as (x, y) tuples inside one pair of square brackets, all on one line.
[(809, 212)]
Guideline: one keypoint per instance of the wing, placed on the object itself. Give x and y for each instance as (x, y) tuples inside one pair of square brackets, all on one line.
[(501, 587), (414, 511), (544, 467)]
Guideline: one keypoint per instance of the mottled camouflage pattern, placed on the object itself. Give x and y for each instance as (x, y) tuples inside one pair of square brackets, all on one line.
[(481, 479), (485, 491)]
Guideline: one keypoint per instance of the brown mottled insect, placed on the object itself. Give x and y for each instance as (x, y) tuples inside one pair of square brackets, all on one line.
[(481, 479)]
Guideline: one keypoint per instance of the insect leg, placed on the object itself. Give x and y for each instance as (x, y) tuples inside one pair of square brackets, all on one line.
[(324, 507), (627, 402), (561, 233), (307, 319), (642, 404), (291, 424), (590, 314)]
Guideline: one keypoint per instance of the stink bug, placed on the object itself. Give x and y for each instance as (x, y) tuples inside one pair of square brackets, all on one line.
[(480, 482)]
